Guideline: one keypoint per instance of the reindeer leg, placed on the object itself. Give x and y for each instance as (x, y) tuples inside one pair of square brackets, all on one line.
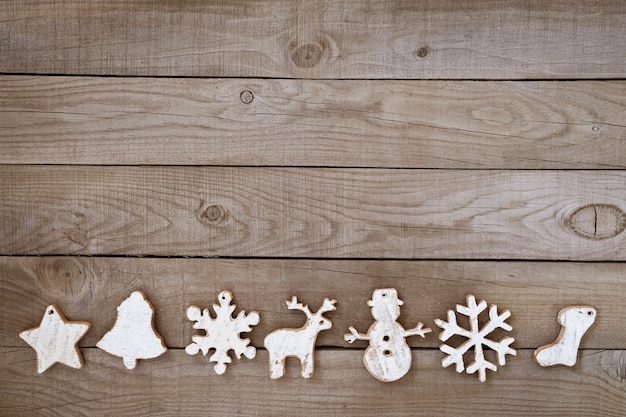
[(277, 366), (307, 365)]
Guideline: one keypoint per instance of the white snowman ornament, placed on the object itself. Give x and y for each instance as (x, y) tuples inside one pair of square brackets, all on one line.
[(388, 356)]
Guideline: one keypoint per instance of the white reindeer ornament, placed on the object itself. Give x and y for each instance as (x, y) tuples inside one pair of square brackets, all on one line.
[(299, 343), (388, 356)]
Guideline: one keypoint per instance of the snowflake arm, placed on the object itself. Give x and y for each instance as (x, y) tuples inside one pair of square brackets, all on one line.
[(455, 356), (496, 320), (509, 350), (223, 310), (202, 320), (480, 364), (243, 324), (450, 328)]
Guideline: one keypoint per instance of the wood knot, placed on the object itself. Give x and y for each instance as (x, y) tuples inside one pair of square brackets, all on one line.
[(211, 214), (311, 51), (499, 114), (422, 52), (78, 237), (307, 56), (597, 221), (65, 278)]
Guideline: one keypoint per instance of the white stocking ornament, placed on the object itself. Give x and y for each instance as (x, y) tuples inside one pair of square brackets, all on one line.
[(133, 336), (388, 356), (576, 320)]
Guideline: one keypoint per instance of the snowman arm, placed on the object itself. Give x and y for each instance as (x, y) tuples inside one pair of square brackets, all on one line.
[(418, 330), (354, 335)]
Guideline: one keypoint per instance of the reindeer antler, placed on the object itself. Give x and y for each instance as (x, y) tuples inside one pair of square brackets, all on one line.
[(295, 305), (329, 305)]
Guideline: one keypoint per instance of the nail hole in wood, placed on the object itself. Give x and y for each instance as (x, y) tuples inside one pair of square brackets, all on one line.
[(246, 96)]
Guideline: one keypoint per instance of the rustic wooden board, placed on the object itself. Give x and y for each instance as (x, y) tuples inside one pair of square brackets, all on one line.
[(91, 288), (348, 123), (422, 135), (178, 384), (321, 39), (288, 212)]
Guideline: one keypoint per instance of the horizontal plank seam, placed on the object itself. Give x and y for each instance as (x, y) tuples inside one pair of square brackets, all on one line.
[(318, 167), (309, 258), (44, 74)]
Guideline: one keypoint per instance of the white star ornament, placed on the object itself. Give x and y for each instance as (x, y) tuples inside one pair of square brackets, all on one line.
[(56, 340)]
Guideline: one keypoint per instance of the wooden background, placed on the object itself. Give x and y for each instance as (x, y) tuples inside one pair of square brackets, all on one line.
[(318, 149)]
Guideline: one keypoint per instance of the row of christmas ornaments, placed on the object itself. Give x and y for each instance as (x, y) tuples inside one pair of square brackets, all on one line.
[(387, 358)]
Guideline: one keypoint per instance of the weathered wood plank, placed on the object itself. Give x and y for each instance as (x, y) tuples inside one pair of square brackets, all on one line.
[(396, 124), (177, 384), (321, 39), (91, 288), (339, 213)]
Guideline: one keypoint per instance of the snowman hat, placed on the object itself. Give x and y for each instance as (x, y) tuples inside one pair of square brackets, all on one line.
[(382, 295)]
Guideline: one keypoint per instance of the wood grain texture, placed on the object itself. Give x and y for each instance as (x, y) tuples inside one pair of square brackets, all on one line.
[(322, 39), (348, 123), (177, 384), (407, 145), (91, 288), (285, 212)]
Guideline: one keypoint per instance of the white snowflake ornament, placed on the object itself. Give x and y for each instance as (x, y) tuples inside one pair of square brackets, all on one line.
[(476, 338), (222, 332)]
